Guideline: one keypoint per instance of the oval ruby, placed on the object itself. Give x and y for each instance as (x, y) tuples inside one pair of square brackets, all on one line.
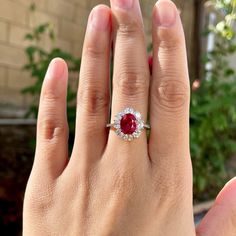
[(128, 124)]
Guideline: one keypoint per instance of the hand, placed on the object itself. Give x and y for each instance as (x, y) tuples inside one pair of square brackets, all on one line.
[(111, 186)]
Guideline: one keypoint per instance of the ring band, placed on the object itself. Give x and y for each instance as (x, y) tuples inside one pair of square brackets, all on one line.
[(146, 126), (128, 124)]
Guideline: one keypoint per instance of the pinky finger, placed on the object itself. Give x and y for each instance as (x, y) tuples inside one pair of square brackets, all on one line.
[(52, 128)]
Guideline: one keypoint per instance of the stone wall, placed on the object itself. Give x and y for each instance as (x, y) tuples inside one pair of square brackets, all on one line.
[(69, 18)]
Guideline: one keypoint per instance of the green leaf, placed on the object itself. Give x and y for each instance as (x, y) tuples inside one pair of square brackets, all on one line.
[(32, 7), (29, 37), (42, 28)]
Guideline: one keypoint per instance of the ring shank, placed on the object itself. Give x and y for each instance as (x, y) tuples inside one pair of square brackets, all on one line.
[(111, 125)]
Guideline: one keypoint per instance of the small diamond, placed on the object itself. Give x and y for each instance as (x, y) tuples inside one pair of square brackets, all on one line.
[(141, 125), (131, 110), (118, 132), (130, 138), (117, 123), (117, 117), (138, 115)]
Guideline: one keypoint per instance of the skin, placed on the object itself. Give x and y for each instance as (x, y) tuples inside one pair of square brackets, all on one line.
[(110, 186)]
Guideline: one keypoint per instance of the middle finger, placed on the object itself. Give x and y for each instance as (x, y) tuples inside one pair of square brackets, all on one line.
[(131, 72)]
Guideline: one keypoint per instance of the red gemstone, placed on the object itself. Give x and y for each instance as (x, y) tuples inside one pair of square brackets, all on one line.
[(128, 124)]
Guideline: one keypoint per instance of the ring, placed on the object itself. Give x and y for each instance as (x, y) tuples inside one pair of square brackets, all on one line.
[(128, 124)]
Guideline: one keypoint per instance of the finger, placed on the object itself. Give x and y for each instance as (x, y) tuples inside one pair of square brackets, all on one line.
[(221, 219), (93, 93), (52, 128), (170, 90), (131, 70), (169, 109)]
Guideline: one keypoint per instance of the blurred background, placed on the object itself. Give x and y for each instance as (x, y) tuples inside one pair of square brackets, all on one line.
[(34, 32)]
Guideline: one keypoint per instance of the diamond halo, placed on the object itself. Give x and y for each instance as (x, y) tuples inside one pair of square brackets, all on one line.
[(128, 124)]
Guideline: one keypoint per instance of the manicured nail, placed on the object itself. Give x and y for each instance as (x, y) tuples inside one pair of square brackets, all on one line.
[(100, 18), (125, 4), (165, 14), (56, 69)]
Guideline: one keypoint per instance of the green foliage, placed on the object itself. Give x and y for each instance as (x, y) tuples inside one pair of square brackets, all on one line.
[(213, 106), (38, 61)]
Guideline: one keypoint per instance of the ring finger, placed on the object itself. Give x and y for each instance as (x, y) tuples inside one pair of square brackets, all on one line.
[(131, 71)]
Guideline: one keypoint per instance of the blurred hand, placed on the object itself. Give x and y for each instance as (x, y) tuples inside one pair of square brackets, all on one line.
[(110, 186)]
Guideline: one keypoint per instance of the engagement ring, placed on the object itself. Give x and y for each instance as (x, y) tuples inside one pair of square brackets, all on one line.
[(128, 124)]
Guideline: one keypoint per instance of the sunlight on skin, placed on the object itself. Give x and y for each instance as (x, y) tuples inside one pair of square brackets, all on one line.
[(110, 186)]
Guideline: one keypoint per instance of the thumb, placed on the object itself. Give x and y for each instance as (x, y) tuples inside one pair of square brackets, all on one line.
[(221, 219)]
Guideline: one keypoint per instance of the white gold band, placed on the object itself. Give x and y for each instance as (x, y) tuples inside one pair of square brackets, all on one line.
[(146, 126)]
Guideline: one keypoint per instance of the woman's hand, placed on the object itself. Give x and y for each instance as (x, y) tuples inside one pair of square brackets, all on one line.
[(111, 186)]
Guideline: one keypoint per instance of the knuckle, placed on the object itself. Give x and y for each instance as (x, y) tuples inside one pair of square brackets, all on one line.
[(172, 94), (51, 124), (93, 51), (52, 128), (172, 44), (132, 84), (93, 100), (50, 96), (130, 29), (170, 41)]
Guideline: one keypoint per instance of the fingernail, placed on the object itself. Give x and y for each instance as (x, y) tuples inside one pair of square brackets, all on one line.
[(165, 14), (125, 4), (56, 69), (100, 18)]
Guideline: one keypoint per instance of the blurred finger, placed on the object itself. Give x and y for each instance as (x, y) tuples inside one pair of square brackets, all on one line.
[(221, 219)]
